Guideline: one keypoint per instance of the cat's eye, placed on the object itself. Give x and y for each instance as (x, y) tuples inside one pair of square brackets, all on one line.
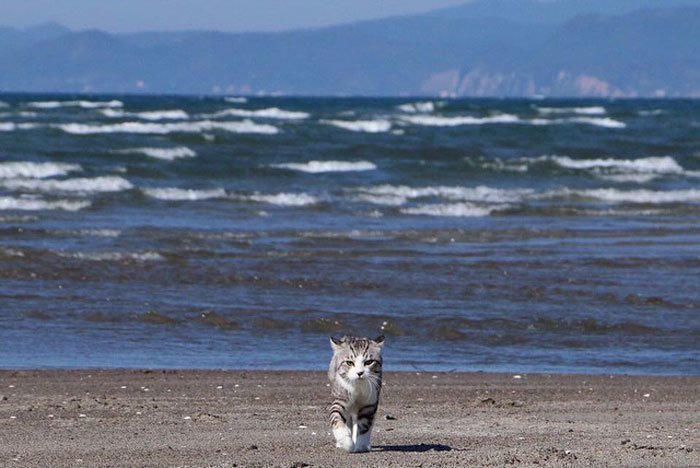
[(350, 363), (369, 362)]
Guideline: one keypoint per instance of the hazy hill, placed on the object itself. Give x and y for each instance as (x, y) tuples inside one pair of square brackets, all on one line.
[(487, 48)]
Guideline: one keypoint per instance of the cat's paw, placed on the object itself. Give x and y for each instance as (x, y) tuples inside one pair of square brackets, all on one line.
[(346, 444), (361, 448)]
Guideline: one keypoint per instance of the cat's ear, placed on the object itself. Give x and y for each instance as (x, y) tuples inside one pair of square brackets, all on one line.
[(336, 342), (379, 341)]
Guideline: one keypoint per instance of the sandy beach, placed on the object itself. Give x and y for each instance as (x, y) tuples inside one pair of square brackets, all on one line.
[(236, 418)]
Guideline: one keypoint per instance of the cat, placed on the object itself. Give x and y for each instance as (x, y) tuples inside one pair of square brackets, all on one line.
[(355, 373)]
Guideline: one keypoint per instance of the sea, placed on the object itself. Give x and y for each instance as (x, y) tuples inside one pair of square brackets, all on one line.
[(497, 235)]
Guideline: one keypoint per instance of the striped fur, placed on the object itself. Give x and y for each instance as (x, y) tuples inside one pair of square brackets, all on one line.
[(355, 373)]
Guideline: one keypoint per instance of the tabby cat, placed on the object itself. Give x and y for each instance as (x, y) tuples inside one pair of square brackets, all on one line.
[(355, 373)]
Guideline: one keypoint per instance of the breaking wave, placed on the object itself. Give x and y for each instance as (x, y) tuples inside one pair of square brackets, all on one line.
[(166, 154), (423, 107), (315, 167), (178, 194), (83, 104), (11, 126), (368, 126), (34, 170), (442, 121), (38, 204), (245, 126), (590, 110), (283, 199), (652, 197), (113, 256), (79, 185), (462, 210), (399, 194), (174, 114), (269, 113)]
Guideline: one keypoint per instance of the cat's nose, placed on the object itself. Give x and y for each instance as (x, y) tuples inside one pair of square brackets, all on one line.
[(359, 373)]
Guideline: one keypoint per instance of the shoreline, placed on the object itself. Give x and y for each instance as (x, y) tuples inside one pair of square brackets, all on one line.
[(129, 417)]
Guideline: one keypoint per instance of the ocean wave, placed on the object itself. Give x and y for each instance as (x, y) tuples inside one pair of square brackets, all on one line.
[(653, 112), (34, 170), (11, 126), (38, 204), (605, 122), (283, 199), (652, 197), (395, 193), (269, 113), (442, 121), (245, 126), (236, 99), (113, 256), (462, 210), (166, 154), (659, 165), (84, 104), (315, 167), (368, 126), (174, 114), (178, 194), (421, 107), (4, 105), (78, 185), (589, 110)]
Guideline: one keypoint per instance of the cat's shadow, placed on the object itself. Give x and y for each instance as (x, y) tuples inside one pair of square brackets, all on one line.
[(413, 448)]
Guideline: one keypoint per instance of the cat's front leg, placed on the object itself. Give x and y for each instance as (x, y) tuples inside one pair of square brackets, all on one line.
[(363, 429), (341, 430)]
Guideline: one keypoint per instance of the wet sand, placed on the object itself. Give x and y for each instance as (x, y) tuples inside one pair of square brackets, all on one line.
[(260, 419)]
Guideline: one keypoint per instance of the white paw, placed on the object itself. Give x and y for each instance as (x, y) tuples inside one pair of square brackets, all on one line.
[(345, 443)]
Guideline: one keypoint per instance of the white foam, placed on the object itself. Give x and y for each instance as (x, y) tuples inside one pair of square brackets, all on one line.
[(178, 194), (269, 113), (166, 154), (474, 194), (442, 121), (173, 114), (597, 121), (34, 170), (653, 112), (283, 199), (11, 126), (650, 165), (630, 196), (315, 167), (236, 99), (3, 105), (79, 185), (590, 110), (112, 113), (380, 199), (114, 256), (424, 107), (245, 126), (464, 210), (37, 204), (83, 104), (99, 232), (368, 126)]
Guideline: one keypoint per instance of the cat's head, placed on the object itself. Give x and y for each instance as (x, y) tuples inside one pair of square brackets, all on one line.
[(357, 358)]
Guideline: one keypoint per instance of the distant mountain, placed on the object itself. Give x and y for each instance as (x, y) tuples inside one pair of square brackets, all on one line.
[(484, 48)]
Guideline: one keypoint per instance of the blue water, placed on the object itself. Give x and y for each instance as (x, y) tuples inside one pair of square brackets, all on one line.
[(497, 235)]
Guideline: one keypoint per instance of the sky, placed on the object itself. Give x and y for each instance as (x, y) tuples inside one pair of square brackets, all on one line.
[(221, 15)]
